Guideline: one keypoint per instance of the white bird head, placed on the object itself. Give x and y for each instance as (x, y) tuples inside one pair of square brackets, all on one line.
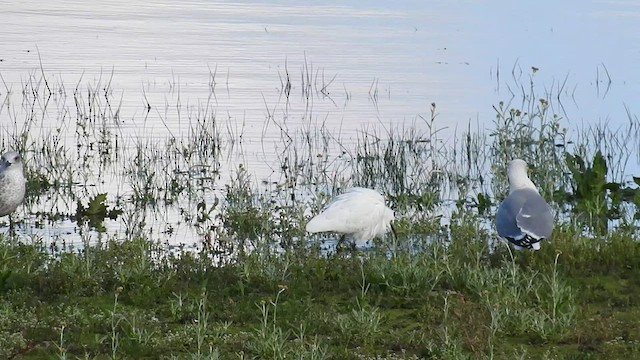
[(518, 176), (388, 218), (11, 161)]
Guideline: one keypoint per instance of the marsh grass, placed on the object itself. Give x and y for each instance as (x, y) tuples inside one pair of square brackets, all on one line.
[(253, 284)]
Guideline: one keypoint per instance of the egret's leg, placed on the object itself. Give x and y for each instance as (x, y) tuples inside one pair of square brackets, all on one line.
[(353, 246), (340, 244)]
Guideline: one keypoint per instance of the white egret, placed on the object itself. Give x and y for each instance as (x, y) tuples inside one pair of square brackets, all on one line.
[(524, 218), (358, 213)]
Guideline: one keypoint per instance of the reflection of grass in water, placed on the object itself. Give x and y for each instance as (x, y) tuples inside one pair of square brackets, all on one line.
[(255, 286), (192, 174)]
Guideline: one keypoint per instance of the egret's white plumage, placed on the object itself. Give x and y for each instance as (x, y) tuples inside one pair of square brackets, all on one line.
[(358, 213), (12, 182), (524, 218)]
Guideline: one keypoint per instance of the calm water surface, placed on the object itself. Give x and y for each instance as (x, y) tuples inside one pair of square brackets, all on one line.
[(382, 62)]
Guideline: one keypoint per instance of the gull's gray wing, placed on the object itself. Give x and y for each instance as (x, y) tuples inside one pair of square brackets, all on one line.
[(524, 218)]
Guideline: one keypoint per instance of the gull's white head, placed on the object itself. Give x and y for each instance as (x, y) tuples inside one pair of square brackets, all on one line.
[(518, 176), (11, 162)]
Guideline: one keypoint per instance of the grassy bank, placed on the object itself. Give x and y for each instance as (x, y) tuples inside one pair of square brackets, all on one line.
[(577, 298)]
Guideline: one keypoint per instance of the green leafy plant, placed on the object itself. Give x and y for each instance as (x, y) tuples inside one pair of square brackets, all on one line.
[(95, 212), (591, 192)]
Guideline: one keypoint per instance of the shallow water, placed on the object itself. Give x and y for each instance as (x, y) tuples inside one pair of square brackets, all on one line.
[(415, 52), (369, 64)]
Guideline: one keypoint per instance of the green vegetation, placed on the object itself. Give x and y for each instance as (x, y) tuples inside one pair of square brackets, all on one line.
[(254, 285), (577, 298)]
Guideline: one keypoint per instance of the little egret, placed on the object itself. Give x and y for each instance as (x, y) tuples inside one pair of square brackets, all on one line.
[(523, 218), (12, 182), (358, 213)]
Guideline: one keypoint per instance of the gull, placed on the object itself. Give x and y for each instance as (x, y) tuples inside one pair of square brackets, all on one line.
[(358, 213), (12, 182), (524, 218)]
